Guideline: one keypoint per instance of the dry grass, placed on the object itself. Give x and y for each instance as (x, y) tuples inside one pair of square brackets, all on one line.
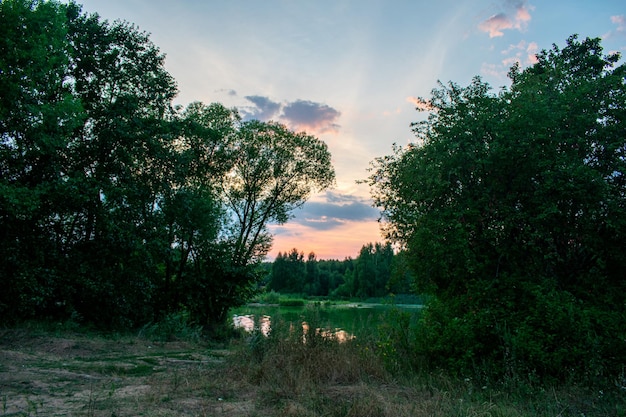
[(78, 375)]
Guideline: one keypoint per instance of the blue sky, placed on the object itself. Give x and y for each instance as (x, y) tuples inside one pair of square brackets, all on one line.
[(348, 72)]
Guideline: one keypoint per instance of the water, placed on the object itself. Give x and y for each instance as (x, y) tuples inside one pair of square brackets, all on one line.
[(344, 321)]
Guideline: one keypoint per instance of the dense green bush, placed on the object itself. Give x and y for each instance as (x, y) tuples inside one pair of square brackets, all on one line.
[(291, 302), (512, 209)]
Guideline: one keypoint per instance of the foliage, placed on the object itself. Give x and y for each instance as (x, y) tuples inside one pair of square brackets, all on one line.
[(372, 270), (288, 272), (291, 302), (174, 326), (374, 273), (511, 209), (274, 171), (117, 208)]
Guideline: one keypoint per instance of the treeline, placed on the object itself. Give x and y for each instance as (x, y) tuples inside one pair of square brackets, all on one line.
[(376, 272), (116, 207)]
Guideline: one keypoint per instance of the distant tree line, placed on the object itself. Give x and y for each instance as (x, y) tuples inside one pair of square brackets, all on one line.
[(117, 208), (376, 272)]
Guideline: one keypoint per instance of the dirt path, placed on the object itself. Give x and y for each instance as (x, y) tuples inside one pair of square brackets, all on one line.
[(44, 375)]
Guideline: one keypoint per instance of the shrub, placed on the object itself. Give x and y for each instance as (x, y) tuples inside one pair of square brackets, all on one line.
[(291, 302)]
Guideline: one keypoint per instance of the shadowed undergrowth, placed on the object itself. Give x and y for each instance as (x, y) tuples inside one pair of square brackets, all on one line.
[(293, 372)]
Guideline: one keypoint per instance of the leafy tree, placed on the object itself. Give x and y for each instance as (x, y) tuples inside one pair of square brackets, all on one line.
[(115, 207), (312, 276), (117, 163), (37, 118), (194, 214), (274, 171), (288, 272), (511, 209), (401, 278), (372, 270)]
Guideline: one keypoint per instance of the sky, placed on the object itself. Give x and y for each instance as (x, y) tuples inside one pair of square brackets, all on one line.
[(349, 72)]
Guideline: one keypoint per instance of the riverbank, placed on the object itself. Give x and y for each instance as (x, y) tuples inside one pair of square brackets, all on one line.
[(77, 374)]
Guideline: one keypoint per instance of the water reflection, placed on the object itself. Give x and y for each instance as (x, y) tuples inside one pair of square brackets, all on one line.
[(249, 323)]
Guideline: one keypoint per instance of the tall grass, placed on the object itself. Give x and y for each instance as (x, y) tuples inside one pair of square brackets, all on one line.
[(306, 371)]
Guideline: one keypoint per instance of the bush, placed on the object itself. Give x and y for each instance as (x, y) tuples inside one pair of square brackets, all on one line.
[(547, 335), (175, 326), (291, 302), (271, 297)]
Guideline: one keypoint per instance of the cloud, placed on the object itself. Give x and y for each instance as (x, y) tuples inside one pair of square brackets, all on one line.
[(334, 210), (516, 16), (620, 30), (263, 109), (527, 52), (620, 21), (307, 115), (231, 92), (523, 53), (297, 115), (495, 24), (334, 225)]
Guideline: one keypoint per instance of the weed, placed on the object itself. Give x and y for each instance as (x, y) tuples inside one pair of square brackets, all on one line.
[(175, 326), (291, 302)]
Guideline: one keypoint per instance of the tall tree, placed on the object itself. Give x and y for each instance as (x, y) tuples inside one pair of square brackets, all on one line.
[(511, 210), (312, 284), (118, 163), (115, 207), (275, 171)]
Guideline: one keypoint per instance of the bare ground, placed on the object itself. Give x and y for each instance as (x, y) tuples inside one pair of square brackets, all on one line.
[(125, 376)]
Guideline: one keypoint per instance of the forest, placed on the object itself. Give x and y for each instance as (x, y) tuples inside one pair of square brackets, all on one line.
[(376, 272), (508, 210)]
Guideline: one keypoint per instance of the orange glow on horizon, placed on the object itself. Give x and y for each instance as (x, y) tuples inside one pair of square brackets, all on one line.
[(337, 243)]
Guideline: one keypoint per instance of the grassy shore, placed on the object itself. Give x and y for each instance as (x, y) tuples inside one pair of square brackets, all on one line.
[(71, 373)]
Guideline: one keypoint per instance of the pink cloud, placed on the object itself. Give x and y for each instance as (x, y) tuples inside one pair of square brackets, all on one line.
[(523, 53), (311, 116), (522, 15), (620, 21), (516, 18), (495, 25), (531, 51)]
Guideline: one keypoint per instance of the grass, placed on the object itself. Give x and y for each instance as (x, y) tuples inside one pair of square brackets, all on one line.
[(291, 302), (289, 373)]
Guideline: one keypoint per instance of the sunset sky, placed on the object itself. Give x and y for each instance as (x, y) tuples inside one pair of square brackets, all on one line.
[(348, 72)]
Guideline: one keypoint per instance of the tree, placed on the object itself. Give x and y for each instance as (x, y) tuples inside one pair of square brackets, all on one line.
[(372, 270), (288, 272), (275, 171), (312, 284), (119, 164), (271, 171), (115, 207), (194, 213), (511, 209), (37, 118)]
